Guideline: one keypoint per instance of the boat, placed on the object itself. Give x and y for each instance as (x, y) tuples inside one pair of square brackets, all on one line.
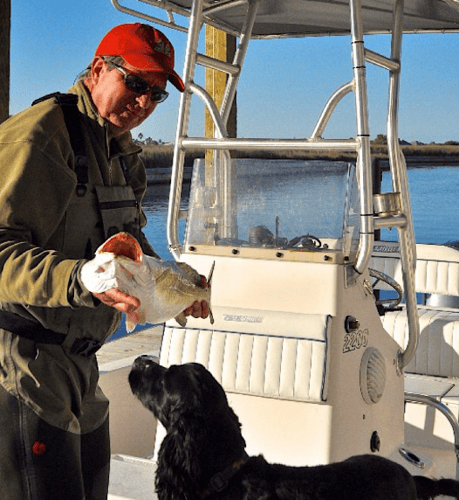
[(329, 340)]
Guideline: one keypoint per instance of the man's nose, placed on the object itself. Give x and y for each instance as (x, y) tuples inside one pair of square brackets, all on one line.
[(144, 100)]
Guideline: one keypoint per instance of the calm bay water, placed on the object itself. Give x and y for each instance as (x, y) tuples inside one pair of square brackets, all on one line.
[(434, 200)]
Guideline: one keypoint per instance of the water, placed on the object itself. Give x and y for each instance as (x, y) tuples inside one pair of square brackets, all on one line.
[(155, 207), (434, 195), (434, 203)]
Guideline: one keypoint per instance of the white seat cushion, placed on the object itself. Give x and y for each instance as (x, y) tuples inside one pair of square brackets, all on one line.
[(261, 365), (438, 349)]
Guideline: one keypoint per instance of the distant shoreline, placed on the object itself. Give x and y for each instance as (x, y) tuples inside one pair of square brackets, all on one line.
[(161, 155)]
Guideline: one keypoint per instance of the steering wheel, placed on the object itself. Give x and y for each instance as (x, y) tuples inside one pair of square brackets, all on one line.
[(305, 241), (391, 303)]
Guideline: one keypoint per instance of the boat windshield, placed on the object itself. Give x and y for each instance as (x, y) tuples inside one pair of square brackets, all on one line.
[(283, 204)]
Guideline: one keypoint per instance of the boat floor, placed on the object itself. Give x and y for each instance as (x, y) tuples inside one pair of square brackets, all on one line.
[(132, 473), (123, 351), (133, 478)]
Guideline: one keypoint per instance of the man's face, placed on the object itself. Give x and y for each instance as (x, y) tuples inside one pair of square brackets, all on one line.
[(115, 102)]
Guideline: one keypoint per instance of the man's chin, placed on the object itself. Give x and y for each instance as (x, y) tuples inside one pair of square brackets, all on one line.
[(125, 126)]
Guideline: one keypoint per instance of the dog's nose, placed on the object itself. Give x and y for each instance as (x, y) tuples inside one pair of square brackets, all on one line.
[(146, 361)]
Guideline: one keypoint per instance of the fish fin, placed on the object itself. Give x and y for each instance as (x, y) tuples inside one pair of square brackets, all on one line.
[(211, 273), (181, 319), (137, 318), (130, 325), (189, 272), (209, 281)]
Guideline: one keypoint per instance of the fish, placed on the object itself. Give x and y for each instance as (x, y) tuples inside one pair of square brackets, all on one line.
[(164, 288)]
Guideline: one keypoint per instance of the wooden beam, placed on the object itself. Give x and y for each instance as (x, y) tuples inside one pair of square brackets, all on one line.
[(5, 34), (219, 46)]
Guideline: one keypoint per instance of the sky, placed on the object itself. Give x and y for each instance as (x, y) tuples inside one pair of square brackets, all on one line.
[(283, 86)]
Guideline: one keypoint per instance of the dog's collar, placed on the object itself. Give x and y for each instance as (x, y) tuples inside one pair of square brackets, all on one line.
[(220, 480)]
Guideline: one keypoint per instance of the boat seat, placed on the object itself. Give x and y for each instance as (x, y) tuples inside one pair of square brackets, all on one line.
[(438, 348), (261, 365), (436, 278)]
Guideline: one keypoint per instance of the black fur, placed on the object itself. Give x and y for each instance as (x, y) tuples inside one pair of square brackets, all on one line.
[(204, 438)]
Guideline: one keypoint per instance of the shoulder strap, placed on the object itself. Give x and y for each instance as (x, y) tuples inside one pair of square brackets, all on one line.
[(68, 103)]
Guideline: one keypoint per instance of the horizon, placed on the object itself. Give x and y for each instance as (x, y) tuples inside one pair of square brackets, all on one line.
[(52, 43)]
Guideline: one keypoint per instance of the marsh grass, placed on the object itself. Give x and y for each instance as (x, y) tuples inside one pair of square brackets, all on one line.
[(160, 155)]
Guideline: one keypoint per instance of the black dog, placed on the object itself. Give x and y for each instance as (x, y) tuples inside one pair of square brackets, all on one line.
[(202, 456)]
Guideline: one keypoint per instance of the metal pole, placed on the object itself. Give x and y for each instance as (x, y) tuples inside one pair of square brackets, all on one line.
[(400, 184), (182, 128), (270, 144), (330, 106), (449, 415), (364, 173)]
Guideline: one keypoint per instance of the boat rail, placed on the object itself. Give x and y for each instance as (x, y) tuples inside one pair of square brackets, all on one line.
[(445, 411)]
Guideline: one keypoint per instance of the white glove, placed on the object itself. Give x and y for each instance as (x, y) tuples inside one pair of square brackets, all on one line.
[(105, 272)]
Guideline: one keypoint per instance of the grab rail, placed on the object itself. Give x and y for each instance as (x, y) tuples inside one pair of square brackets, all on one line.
[(449, 415)]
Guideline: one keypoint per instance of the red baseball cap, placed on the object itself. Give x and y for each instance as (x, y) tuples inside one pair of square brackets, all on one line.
[(143, 47)]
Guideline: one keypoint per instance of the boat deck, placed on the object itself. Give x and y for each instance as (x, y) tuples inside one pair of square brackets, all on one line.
[(121, 352), (132, 427)]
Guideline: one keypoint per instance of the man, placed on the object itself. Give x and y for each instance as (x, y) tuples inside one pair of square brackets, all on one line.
[(53, 416)]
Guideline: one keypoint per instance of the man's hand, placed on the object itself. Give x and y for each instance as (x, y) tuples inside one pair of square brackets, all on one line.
[(121, 301), (199, 308)]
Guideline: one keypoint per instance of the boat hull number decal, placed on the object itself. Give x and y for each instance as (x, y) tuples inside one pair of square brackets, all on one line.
[(355, 340)]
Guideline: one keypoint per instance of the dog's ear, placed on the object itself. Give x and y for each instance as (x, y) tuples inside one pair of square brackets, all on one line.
[(179, 464)]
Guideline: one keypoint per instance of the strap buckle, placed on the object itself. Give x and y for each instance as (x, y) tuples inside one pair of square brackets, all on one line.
[(85, 347), (218, 483)]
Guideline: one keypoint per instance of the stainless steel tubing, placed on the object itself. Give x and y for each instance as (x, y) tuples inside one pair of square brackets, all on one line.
[(212, 108), (271, 144), (210, 62), (383, 62), (223, 5), (400, 184), (438, 405), (182, 128), (389, 222), (364, 171), (330, 106), (146, 17)]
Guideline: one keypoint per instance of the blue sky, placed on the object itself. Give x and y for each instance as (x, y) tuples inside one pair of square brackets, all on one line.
[(283, 87)]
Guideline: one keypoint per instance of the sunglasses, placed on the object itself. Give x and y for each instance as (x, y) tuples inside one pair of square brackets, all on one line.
[(140, 86)]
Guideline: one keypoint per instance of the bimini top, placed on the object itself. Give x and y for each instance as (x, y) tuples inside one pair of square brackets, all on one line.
[(296, 18)]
